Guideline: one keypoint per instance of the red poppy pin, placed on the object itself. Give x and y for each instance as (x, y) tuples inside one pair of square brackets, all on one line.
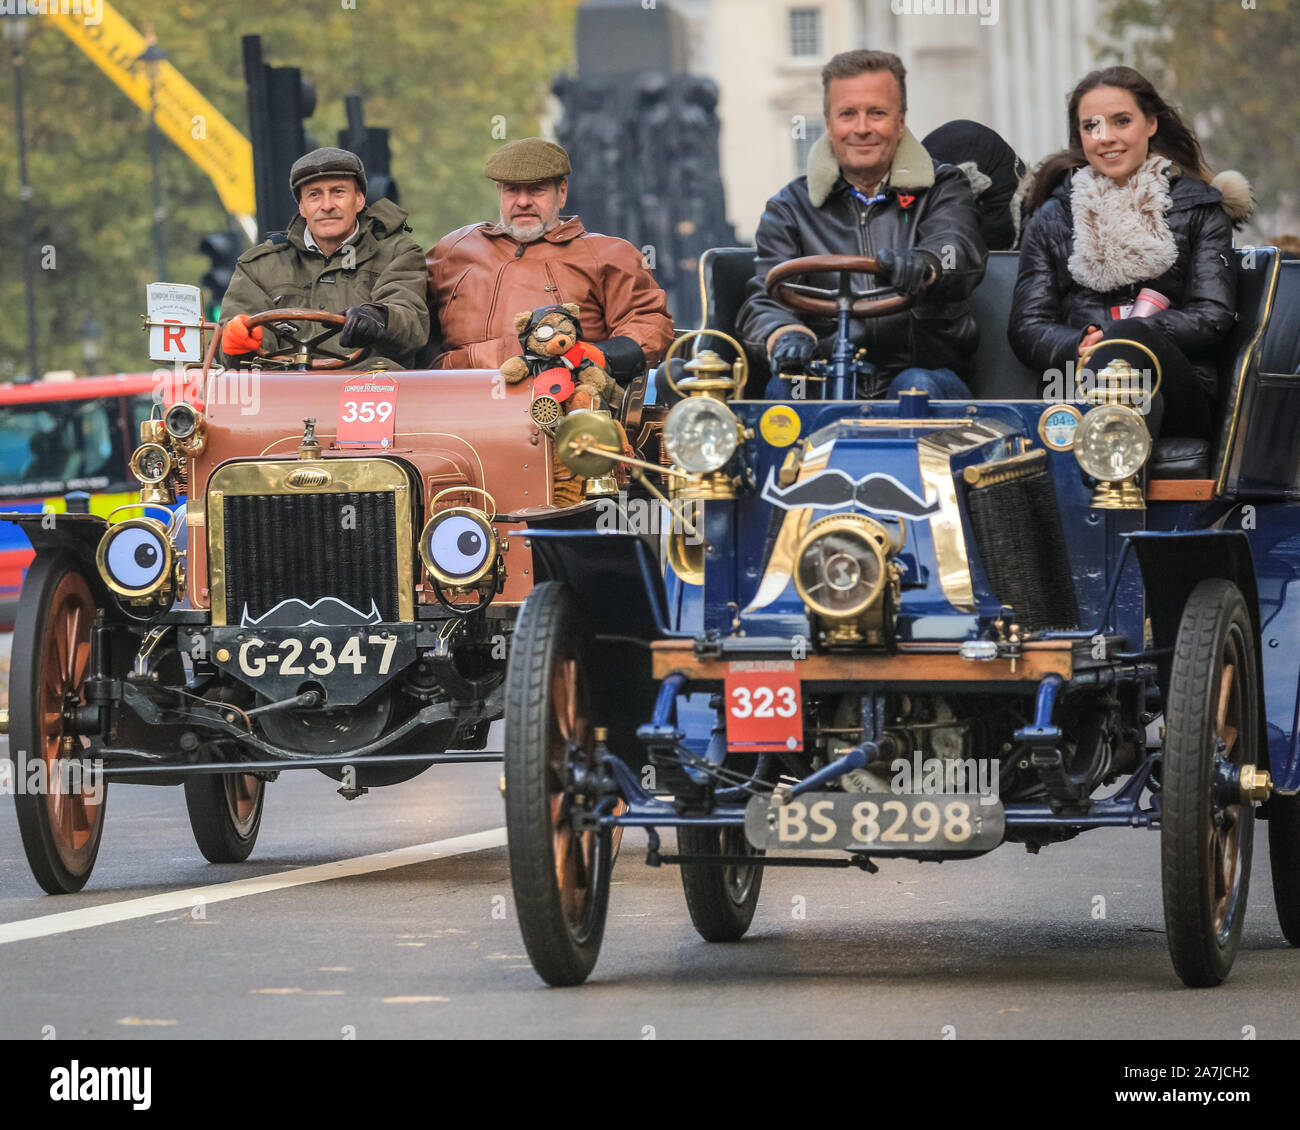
[(905, 201)]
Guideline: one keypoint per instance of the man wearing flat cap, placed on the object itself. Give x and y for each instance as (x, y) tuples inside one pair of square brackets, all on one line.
[(482, 275), (341, 255)]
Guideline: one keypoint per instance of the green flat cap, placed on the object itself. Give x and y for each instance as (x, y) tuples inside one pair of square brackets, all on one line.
[(326, 162), (527, 160)]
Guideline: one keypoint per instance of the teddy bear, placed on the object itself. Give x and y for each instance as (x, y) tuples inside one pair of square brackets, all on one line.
[(562, 365), (569, 370)]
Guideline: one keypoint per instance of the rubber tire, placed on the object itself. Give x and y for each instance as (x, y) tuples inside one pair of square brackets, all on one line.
[(549, 622), (718, 916), (216, 831), (1212, 610), (1284, 856), (31, 634)]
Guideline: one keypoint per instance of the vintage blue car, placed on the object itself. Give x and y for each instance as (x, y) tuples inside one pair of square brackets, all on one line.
[(919, 629)]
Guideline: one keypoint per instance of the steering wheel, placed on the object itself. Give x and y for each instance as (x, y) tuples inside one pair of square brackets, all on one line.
[(819, 300), (296, 314)]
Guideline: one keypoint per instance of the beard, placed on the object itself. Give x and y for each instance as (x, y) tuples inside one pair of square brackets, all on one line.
[(530, 229)]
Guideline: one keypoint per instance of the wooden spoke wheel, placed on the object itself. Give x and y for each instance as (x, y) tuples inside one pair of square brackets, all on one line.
[(62, 819), (225, 814), (1207, 833), (560, 872), (721, 897)]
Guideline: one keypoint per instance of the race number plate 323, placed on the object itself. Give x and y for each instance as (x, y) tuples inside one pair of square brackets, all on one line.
[(764, 706)]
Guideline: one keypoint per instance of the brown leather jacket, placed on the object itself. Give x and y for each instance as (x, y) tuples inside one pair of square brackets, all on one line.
[(480, 278)]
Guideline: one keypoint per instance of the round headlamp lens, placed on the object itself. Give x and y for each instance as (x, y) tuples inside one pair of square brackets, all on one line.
[(181, 421), (151, 463), (1112, 443), (841, 572), (700, 434)]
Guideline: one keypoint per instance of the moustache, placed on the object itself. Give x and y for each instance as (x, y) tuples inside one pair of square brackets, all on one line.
[(877, 493), (295, 613)]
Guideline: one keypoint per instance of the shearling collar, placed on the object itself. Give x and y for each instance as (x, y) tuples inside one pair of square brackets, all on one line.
[(912, 168), (1121, 232)]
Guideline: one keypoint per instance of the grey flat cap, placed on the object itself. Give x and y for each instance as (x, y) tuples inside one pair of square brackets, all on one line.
[(527, 160), (326, 162)]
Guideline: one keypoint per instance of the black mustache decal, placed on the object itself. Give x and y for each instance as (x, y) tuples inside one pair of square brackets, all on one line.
[(829, 490), (294, 613)]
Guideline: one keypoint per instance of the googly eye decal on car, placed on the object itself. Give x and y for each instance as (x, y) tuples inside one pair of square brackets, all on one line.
[(136, 557), (459, 546)]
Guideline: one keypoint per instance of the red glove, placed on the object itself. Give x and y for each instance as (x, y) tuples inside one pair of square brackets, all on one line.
[(237, 338)]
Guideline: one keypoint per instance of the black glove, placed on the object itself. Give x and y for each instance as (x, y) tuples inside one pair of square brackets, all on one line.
[(624, 358), (363, 325), (908, 270), (792, 352)]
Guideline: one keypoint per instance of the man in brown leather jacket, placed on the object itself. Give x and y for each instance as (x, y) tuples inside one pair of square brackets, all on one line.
[(482, 275)]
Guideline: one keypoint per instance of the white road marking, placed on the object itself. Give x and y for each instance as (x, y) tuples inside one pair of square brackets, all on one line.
[(153, 905)]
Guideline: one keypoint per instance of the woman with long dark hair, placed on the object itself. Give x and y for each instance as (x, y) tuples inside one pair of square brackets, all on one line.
[(1130, 207)]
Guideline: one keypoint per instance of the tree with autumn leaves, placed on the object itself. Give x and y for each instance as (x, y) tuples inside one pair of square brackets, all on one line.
[(1233, 68), (451, 80)]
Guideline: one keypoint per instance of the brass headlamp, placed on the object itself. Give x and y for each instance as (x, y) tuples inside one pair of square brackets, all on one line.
[(701, 433), (1113, 443), (846, 575), (186, 427), (139, 562), (460, 547), (153, 464)]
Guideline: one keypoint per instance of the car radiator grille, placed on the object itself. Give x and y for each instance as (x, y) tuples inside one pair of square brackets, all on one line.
[(1018, 531), (309, 546)]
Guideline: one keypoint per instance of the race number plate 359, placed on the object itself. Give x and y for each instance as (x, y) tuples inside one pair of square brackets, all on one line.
[(367, 410), (764, 706)]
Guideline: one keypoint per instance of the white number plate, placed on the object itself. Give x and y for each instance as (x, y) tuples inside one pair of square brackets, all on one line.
[(878, 823), (318, 655)]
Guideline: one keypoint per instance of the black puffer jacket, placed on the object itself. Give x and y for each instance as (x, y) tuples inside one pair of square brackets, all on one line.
[(927, 207), (1050, 308)]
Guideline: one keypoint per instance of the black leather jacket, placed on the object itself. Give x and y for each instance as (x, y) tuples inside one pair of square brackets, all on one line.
[(928, 207), (1050, 309)]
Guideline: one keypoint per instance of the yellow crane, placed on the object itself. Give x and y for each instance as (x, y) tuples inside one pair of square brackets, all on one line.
[(196, 126)]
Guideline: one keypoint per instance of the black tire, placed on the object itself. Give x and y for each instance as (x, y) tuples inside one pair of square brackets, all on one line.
[(1284, 855), (722, 897), (1206, 840), (561, 905), (225, 814), (61, 829)]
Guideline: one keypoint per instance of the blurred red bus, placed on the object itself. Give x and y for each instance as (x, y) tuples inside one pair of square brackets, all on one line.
[(61, 436)]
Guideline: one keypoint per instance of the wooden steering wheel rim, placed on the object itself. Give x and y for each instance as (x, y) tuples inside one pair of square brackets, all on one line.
[(301, 314), (783, 273)]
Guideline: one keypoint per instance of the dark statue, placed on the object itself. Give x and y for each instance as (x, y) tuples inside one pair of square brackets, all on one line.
[(644, 150)]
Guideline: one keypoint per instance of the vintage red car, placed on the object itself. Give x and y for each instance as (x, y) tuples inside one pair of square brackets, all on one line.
[(337, 593)]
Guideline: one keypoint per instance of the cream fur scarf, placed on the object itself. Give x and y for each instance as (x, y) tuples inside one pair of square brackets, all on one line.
[(1121, 235)]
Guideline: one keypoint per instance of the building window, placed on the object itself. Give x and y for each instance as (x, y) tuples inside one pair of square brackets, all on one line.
[(803, 145), (805, 33)]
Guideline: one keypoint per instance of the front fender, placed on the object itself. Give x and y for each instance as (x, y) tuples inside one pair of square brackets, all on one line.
[(76, 534), (617, 580), (614, 574), (1173, 563)]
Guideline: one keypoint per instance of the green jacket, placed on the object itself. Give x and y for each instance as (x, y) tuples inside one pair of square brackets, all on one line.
[(384, 265)]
